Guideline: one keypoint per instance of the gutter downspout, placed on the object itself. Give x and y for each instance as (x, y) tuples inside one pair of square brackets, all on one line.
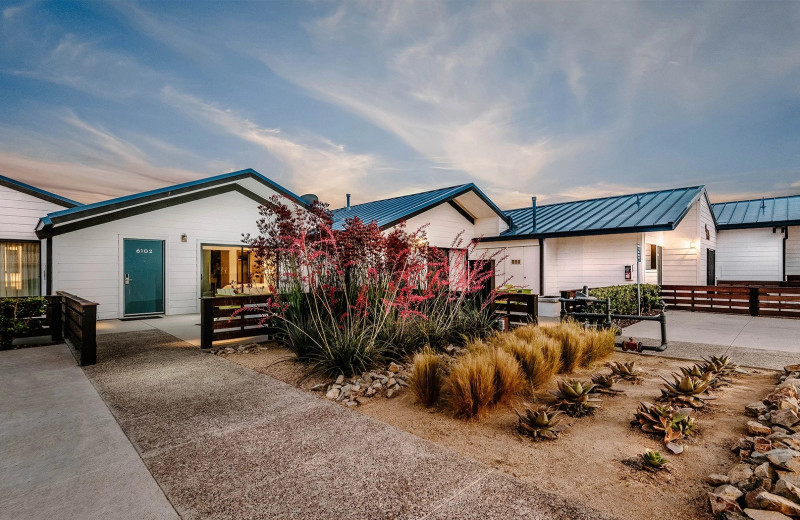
[(541, 267)]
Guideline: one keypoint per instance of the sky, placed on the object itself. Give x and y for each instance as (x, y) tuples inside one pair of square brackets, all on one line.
[(559, 100)]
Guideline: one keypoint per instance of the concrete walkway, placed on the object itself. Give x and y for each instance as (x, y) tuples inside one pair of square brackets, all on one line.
[(62, 453), (751, 341), (227, 442)]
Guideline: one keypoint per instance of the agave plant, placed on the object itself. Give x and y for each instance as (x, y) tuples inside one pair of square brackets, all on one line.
[(626, 371), (701, 371), (574, 397), (673, 424), (653, 460), (685, 390), (719, 365), (604, 384), (540, 423)]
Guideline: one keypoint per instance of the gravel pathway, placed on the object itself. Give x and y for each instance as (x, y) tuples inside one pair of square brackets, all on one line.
[(224, 441)]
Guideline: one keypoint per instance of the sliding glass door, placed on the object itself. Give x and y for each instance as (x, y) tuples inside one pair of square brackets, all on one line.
[(19, 269)]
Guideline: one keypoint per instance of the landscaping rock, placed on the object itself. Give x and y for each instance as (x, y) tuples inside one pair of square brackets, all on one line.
[(762, 444), (785, 458), (733, 515), (739, 473), (787, 489), (792, 368), (340, 379), (715, 479), (675, 448), (786, 418), (790, 403), (770, 502), (394, 367), (765, 472), (720, 504), (756, 428), (758, 514), (390, 393), (755, 409), (728, 492), (319, 387), (333, 394)]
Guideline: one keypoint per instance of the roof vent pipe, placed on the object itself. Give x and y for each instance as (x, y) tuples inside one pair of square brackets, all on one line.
[(348, 201), (533, 213), (763, 203)]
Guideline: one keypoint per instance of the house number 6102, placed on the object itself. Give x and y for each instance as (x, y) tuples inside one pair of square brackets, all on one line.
[(144, 251)]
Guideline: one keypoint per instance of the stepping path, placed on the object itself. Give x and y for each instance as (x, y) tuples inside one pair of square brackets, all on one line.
[(62, 453), (224, 441)]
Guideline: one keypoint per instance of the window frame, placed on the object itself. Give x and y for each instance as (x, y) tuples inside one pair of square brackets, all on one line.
[(39, 267)]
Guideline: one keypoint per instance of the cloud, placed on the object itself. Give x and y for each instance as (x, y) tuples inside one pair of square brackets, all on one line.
[(318, 165), (87, 162)]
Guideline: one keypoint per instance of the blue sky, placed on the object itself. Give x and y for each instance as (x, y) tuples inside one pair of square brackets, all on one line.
[(558, 100)]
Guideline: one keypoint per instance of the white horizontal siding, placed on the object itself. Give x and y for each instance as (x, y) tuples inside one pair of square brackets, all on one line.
[(442, 226), (596, 261), (20, 212), (749, 254), (86, 262), (793, 251)]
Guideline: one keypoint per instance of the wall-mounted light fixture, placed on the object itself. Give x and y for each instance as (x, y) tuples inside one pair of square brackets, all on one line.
[(693, 245), (184, 238)]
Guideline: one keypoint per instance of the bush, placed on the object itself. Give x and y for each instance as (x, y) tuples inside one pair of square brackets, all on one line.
[(484, 377), (623, 298), (15, 317), (539, 355), (426, 376)]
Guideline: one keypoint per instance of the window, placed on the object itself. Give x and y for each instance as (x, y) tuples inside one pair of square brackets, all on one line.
[(19, 269), (234, 269), (652, 258)]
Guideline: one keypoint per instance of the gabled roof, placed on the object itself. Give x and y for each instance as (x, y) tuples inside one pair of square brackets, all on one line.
[(14, 184), (112, 209), (389, 212), (774, 211), (638, 212)]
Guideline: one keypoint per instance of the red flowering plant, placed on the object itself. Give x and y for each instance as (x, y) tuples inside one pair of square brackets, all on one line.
[(351, 296)]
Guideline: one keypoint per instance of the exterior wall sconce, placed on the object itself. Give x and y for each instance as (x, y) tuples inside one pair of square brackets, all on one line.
[(184, 238), (693, 245)]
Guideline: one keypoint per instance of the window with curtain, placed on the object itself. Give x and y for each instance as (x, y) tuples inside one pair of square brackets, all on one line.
[(19, 269)]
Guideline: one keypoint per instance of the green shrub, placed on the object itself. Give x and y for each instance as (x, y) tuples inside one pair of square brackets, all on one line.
[(15, 317), (623, 298)]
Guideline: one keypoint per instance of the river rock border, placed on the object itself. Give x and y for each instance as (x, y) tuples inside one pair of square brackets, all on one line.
[(765, 485), (357, 390)]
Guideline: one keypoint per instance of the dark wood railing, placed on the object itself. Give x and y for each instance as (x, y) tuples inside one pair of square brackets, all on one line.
[(761, 283), (231, 317), (734, 299), (79, 325), (517, 308)]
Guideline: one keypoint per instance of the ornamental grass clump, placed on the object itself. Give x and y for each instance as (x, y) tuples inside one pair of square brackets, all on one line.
[(484, 377), (538, 354), (574, 343), (427, 376), (600, 345)]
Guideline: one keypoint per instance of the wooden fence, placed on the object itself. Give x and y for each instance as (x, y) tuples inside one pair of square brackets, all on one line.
[(517, 308), (231, 317), (79, 321), (734, 299)]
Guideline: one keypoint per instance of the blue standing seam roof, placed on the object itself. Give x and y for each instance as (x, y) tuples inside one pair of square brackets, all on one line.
[(387, 212), (35, 190), (773, 211), (655, 210), (132, 198)]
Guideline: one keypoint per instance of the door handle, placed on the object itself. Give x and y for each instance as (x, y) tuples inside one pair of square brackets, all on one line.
[(127, 279)]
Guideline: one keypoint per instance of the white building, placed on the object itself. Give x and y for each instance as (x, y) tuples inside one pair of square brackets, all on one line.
[(158, 252), (759, 239), (22, 256)]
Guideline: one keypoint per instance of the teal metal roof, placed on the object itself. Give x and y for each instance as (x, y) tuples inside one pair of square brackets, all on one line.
[(154, 195), (388, 212), (37, 192), (638, 212), (774, 211)]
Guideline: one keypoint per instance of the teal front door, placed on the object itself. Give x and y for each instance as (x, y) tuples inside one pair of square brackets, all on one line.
[(143, 277)]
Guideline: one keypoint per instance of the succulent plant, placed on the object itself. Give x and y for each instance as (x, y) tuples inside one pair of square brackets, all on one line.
[(627, 371), (653, 460), (685, 390), (701, 371), (574, 397), (666, 421), (718, 364), (540, 423), (604, 384)]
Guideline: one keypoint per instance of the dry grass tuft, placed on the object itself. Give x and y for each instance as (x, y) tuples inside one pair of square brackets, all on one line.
[(472, 384), (509, 380), (539, 355), (574, 343), (427, 376), (600, 346)]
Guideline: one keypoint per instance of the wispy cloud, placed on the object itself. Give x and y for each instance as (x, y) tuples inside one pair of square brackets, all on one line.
[(319, 165)]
